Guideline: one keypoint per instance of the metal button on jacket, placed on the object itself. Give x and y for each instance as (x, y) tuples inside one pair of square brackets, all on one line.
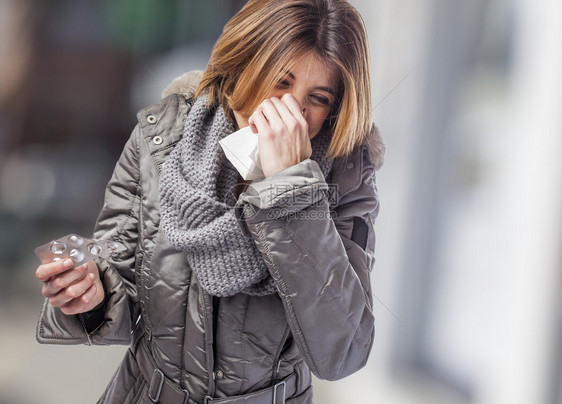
[(151, 119), (157, 140), (219, 374)]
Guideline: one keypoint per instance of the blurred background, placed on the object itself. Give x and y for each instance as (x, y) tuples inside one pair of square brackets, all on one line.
[(468, 96)]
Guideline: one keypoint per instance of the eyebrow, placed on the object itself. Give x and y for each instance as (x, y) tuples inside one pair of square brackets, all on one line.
[(326, 89)]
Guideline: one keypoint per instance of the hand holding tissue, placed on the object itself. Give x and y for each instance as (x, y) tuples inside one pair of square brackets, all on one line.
[(241, 149)]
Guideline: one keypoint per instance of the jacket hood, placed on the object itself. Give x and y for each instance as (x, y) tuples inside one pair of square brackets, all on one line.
[(187, 83)]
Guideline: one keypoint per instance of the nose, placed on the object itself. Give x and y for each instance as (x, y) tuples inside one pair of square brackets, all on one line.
[(300, 96)]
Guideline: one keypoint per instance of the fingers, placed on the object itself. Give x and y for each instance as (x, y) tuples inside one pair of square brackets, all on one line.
[(271, 113), (294, 107), (55, 284), (82, 303), (283, 133), (281, 115), (258, 120), (46, 271), (72, 292), (294, 124)]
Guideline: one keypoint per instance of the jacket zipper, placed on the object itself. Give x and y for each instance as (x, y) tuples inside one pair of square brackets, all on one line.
[(215, 313), (209, 341), (142, 276)]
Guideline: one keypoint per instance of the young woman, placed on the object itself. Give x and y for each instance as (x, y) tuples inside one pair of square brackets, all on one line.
[(231, 291)]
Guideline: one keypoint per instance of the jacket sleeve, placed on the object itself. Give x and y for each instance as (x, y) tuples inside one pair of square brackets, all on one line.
[(320, 259), (118, 220)]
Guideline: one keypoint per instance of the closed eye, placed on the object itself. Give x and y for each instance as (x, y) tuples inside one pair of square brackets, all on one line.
[(283, 83), (320, 99)]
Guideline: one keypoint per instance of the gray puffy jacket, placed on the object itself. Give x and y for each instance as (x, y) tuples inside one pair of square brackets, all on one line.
[(188, 347)]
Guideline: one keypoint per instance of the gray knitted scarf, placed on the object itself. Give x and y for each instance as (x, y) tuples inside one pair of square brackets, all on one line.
[(197, 196)]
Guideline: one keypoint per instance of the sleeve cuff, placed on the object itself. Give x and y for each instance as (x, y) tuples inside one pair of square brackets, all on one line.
[(94, 318), (283, 186), (283, 193)]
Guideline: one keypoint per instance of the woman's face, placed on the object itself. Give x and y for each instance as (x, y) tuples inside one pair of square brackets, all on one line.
[(311, 83)]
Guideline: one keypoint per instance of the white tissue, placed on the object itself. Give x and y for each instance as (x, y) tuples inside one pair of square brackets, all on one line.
[(241, 148)]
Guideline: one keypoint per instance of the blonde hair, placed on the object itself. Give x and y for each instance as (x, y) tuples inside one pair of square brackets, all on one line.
[(266, 38)]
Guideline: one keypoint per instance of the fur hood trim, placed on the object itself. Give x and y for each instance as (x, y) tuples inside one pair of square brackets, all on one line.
[(184, 85)]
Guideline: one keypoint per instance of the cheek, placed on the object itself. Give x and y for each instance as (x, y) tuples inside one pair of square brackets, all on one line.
[(315, 122)]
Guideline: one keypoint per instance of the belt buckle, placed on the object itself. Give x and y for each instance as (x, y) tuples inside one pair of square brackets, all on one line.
[(157, 372), (281, 383)]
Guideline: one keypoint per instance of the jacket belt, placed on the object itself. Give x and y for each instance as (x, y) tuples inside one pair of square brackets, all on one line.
[(164, 391), (161, 389)]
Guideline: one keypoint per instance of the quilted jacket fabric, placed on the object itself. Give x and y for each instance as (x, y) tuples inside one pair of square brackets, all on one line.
[(315, 235)]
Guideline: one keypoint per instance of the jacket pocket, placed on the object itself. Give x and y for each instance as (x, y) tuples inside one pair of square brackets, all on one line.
[(285, 343)]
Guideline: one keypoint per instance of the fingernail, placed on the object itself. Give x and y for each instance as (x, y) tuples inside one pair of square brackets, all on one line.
[(92, 276), (67, 263)]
